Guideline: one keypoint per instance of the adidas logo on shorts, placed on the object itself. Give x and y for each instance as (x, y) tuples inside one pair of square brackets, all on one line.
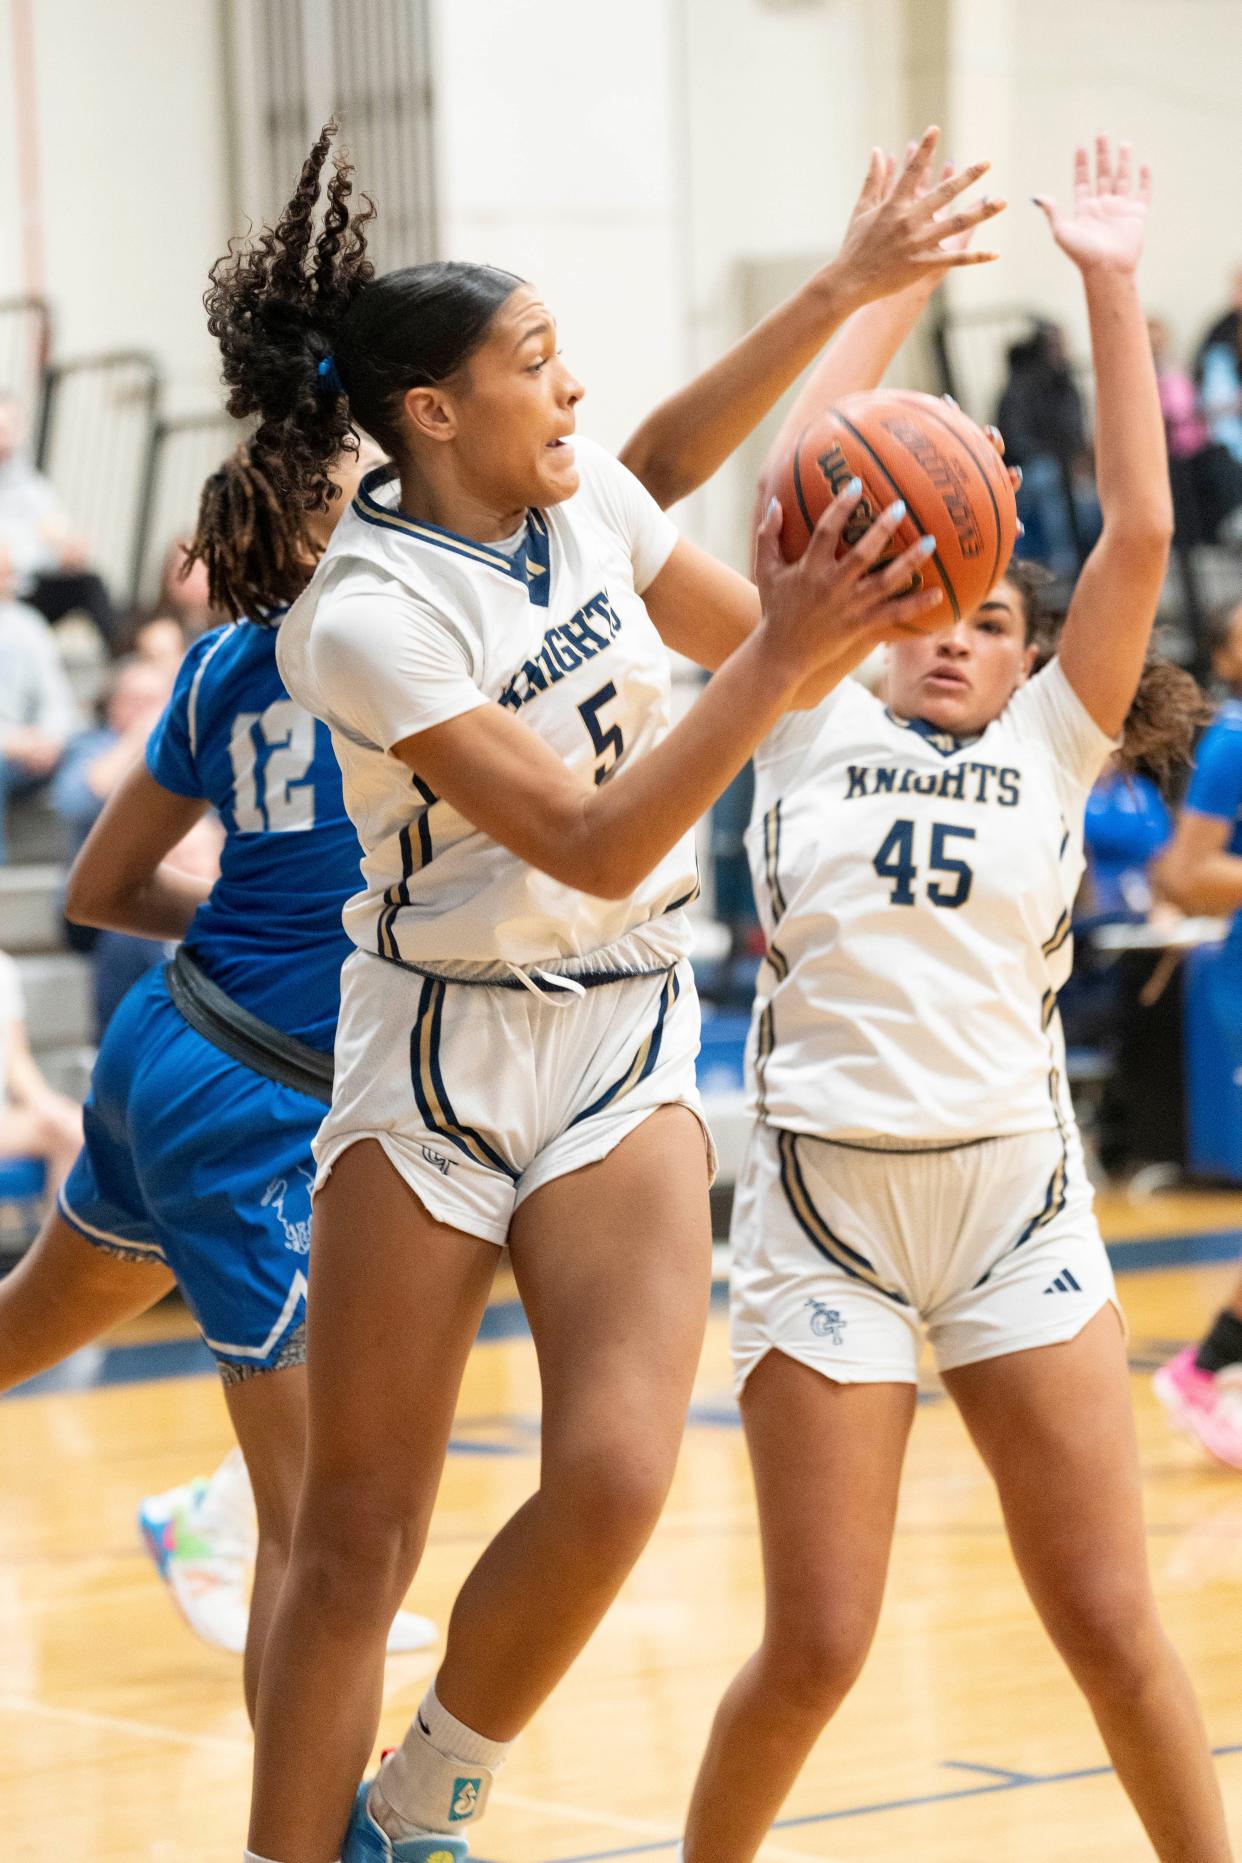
[(1064, 1284)]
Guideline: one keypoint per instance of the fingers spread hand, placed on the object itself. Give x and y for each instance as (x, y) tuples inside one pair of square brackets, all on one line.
[(917, 164)]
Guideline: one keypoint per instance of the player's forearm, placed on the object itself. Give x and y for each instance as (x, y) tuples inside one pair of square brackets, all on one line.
[(1212, 888), (691, 434), (632, 822), (159, 906), (858, 358), (1132, 471)]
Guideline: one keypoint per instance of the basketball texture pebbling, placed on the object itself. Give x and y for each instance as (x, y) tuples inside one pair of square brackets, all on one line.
[(913, 446)]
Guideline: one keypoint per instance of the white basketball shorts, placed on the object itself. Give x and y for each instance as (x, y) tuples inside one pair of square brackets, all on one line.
[(843, 1257), (480, 1094)]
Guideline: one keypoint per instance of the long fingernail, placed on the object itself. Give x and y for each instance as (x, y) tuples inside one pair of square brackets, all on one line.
[(1021, 528), (927, 546), (854, 489), (1017, 482), (949, 398), (897, 511), (773, 508)]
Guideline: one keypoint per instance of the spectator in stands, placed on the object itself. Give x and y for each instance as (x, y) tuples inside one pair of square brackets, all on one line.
[(1224, 330), (1042, 417), (37, 710), (93, 766), (184, 594), (50, 563), (35, 1121), (1221, 389), (1206, 477), (160, 640)]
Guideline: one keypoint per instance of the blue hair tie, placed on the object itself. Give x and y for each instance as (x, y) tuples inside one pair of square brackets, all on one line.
[(329, 381)]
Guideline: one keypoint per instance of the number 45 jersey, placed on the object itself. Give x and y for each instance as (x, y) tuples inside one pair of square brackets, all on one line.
[(405, 626), (270, 933), (916, 891)]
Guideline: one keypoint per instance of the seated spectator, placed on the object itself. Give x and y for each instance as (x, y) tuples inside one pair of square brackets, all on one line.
[(37, 710), (160, 640), (1042, 417), (1206, 478), (93, 765), (184, 594), (1223, 330), (49, 563), (35, 1121), (1222, 395)]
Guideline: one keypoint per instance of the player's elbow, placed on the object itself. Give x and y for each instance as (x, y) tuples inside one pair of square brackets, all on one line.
[(1145, 533), (91, 892)]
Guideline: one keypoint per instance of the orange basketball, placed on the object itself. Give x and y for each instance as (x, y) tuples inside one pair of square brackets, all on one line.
[(911, 446)]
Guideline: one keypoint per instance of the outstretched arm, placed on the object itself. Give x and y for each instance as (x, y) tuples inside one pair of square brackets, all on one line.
[(1104, 642), (902, 238)]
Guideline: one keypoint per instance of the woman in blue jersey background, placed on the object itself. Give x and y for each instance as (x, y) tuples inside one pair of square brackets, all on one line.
[(1201, 871)]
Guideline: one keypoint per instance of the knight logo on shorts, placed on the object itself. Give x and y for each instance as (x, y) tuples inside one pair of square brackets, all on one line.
[(827, 1322), (433, 1157), (465, 1799)]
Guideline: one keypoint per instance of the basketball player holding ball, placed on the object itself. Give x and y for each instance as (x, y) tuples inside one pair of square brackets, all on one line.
[(486, 638), (915, 1167)]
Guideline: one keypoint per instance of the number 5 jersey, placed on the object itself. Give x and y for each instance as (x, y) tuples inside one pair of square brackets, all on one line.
[(406, 625), (915, 890)]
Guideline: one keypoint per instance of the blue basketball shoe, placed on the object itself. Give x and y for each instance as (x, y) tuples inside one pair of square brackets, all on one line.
[(366, 1843)]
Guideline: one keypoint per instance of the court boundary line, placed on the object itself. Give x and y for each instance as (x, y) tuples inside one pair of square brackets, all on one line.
[(1007, 1782)]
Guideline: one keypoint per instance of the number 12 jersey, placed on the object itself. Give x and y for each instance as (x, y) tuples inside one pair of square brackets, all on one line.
[(915, 890)]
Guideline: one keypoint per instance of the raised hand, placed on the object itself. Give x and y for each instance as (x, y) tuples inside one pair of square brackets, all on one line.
[(1107, 224), (828, 609), (902, 231)]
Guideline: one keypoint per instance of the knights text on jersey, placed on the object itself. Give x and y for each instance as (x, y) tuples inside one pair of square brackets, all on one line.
[(270, 932), (405, 626), (916, 892)]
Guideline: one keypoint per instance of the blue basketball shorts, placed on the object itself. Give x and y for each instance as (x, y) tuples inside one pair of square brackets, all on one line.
[(194, 1160)]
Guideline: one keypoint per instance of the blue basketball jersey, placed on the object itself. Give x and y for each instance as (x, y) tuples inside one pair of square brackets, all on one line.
[(270, 933), (1216, 788)]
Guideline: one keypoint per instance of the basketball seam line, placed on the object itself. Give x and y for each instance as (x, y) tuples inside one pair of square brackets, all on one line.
[(797, 482), (936, 415), (862, 440)]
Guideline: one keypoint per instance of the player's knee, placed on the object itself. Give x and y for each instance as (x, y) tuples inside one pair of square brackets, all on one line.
[(357, 1553), (811, 1665), (1109, 1634), (612, 1500)]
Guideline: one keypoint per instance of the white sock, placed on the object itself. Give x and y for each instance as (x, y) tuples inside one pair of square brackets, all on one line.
[(416, 1792), (252, 1856)]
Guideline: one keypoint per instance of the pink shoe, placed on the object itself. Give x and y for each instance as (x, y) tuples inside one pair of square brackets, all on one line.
[(1206, 1406)]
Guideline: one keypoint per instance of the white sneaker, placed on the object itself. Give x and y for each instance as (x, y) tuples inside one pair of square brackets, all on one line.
[(202, 1538)]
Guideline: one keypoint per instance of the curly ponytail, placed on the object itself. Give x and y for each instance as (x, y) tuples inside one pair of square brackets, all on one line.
[(316, 347), (252, 538), (1169, 710), (276, 308)]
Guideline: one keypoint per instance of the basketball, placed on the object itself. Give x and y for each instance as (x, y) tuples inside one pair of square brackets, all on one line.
[(912, 446)]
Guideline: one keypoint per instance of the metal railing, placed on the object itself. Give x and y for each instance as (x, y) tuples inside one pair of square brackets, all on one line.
[(25, 348), (94, 443)]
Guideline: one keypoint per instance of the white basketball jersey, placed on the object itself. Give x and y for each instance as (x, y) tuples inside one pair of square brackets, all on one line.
[(405, 625), (916, 891)]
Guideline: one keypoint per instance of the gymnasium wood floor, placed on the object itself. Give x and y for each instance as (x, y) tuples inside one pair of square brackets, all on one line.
[(122, 1738)]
